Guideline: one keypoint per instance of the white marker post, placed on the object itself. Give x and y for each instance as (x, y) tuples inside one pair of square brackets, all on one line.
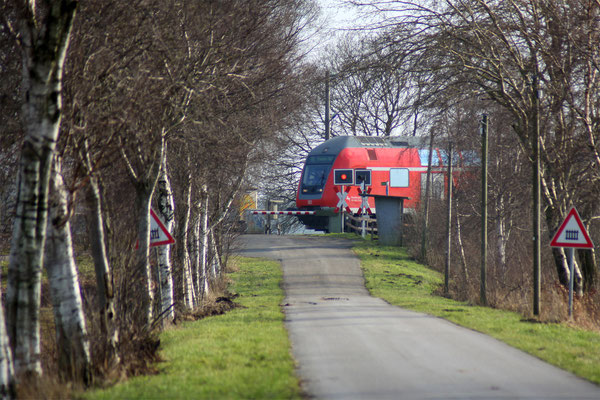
[(572, 234)]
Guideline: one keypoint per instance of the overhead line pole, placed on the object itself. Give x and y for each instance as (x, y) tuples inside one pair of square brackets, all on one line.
[(537, 253), (484, 201), (449, 221), (327, 107)]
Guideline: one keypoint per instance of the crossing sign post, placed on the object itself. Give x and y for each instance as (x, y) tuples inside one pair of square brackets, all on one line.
[(342, 206), (572, 235)]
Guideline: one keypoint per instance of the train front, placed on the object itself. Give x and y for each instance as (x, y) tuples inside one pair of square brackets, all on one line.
[(315, 190)]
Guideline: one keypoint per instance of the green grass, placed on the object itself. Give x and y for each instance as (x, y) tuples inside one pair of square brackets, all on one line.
[(393, 276), (243, 354)]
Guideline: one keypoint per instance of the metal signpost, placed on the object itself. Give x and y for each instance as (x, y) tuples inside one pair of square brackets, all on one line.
[(365, 210), (342, 205), (572, 235)]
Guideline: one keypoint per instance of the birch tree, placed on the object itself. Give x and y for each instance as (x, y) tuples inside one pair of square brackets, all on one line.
[(91, 151), (166, 212), (43, 30), (71, 333), (7, 373)]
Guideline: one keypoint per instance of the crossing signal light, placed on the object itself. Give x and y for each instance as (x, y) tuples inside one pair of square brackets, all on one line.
[(343, 177), (363, 175)]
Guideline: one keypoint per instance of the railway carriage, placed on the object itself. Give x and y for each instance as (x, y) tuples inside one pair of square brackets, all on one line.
[(395, 166)]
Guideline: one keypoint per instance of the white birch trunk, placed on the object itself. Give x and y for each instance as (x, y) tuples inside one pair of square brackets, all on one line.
[(144, 182), (216, 257), (7, 374), (196, 266), (44, 41), (187, 283), (166, 212), (71, 334), (204, 240), (501, 242), (461, 247), (142, 274), (104, 277)]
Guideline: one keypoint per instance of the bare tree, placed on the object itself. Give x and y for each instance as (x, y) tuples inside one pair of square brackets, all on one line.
[(43, 30), (71, 332), (474, 48)]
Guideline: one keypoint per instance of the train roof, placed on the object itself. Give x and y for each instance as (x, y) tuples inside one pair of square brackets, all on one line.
[(336, 144)]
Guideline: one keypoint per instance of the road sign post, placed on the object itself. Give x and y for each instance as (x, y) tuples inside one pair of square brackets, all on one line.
[(572, 235)]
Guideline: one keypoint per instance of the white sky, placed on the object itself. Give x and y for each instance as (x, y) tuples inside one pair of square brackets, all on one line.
[(336, 17)]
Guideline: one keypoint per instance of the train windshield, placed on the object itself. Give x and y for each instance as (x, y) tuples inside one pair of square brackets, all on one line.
[(315, 174)]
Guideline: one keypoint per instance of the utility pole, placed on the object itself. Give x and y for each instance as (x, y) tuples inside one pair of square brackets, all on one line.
[(426, 211), (537, 252), (327, 107), (448, 221), (484, 201)]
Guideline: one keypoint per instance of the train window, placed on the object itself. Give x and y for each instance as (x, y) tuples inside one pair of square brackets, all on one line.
[(315, 175), (399, 177), (444, 155), (424, 156), (328, 159)]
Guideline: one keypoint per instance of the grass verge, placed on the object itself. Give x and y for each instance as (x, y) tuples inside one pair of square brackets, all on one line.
[(393, 276), (243, 354)]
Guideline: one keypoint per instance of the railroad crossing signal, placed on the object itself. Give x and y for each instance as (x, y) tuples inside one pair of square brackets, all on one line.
[(363, 176), (572, 233), (343, 177)]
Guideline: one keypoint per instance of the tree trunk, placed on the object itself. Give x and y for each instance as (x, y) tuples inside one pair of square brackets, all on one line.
[(71, 334), (196, 264), (588, 268), (425, 202), (215, 270), (104, 277), (461, 248), (7, 375), (44, 41), (502, 240), (187, 285), (204, 240), (165, 276), (142, 275)]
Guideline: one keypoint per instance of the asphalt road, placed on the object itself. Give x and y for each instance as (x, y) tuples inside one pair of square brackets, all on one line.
[(349, 345)]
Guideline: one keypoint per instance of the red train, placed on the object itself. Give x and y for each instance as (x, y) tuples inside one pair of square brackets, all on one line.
[(393, 165)]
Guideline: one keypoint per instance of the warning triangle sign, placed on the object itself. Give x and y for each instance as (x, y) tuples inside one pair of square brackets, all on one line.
[(159, 235), (572, 233)]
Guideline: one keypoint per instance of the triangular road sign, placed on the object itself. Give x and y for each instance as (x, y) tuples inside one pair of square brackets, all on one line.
[(159, 235), (572, 233)]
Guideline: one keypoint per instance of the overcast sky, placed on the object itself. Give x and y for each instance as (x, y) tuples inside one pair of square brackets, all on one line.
[(336, 16)]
